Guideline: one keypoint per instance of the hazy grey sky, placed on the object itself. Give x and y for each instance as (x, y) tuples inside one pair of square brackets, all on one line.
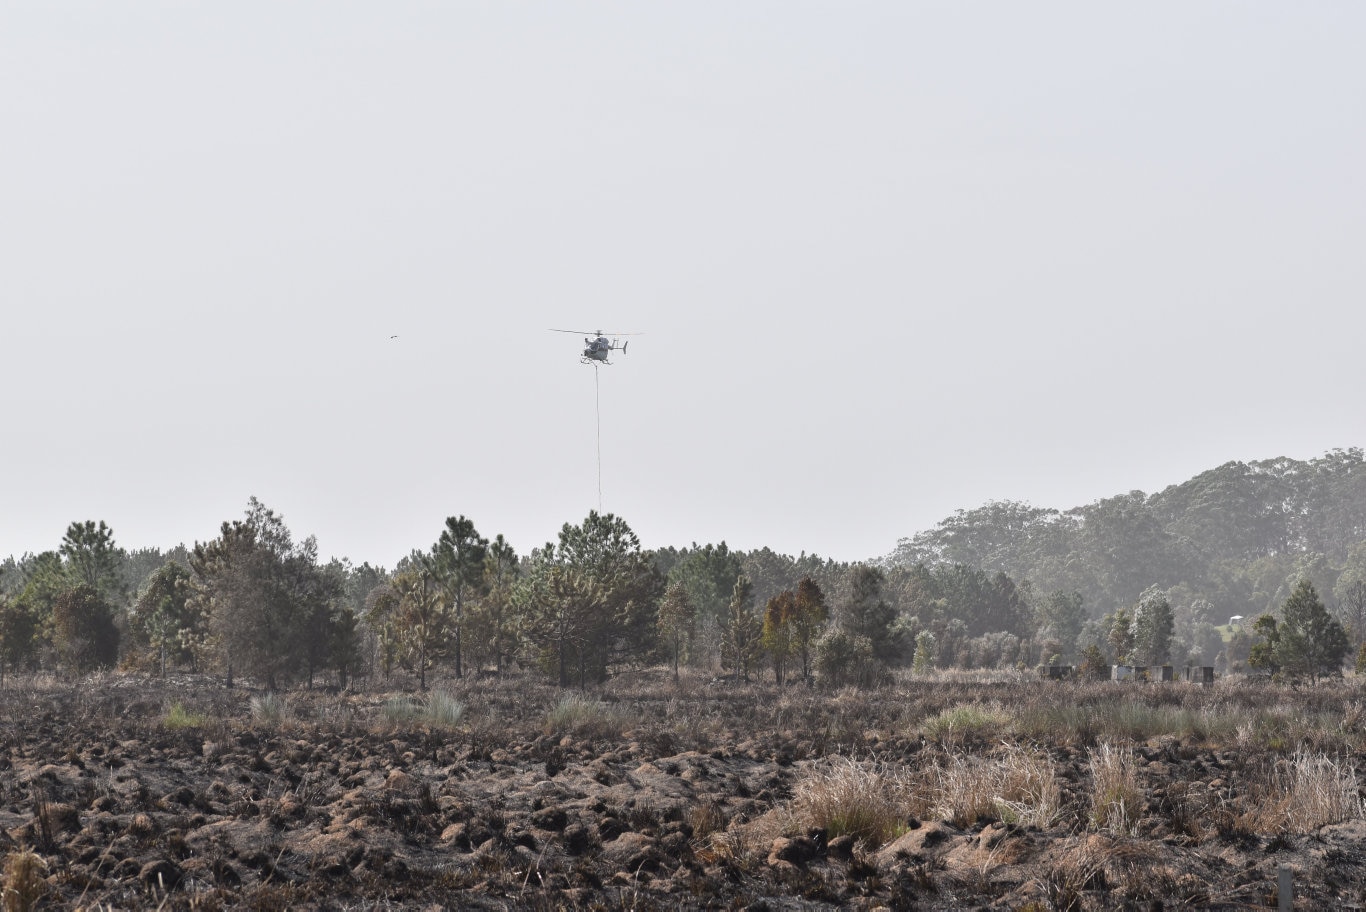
[(892, 259)]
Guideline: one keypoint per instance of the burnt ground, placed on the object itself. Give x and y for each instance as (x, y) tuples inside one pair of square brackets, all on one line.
[(669, 797)]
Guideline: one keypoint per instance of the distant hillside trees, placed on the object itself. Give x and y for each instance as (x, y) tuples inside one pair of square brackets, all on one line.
[(1239, 537), (1134, 578)]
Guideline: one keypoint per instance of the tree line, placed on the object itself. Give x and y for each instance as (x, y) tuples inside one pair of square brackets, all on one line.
[(256, 602)]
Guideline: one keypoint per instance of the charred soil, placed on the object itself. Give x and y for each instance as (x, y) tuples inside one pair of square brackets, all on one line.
[(121, 792)]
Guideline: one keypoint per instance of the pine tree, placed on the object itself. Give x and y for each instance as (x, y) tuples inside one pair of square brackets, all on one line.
[(677, 615), (1312, 642), (742, 638)]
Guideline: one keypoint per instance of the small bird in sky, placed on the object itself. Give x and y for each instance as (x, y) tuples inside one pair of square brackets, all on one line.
[(393, 337)]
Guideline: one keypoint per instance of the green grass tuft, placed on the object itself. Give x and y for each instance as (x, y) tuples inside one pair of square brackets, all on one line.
[(178, 717)]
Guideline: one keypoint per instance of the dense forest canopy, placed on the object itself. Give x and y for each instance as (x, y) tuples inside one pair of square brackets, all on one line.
[(1133, 579), (1239, 536)]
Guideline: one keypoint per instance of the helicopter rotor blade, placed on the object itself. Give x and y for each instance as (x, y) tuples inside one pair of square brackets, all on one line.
[(596, 332)]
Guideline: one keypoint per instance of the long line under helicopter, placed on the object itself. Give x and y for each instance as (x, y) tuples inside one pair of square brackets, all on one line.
[(596, 349)]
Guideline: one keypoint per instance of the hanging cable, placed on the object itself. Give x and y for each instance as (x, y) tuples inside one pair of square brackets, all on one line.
[(597, 407)]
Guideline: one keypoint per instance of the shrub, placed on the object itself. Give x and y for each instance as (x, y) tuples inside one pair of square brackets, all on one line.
[(843, 658)]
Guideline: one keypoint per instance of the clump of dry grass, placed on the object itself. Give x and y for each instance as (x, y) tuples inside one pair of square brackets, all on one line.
[(869, 801), (1065, 880), (1303, 793), (584, 717), (967, 723), (1116, 797), (705, 818), (1016, 786), (25, 883), (1027, 788), (874, 801), (270, 709)]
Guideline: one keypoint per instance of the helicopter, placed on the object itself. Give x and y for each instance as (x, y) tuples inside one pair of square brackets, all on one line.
[(598, 346)]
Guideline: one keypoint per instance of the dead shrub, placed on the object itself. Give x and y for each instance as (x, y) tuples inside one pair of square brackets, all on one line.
[(1065, 881)]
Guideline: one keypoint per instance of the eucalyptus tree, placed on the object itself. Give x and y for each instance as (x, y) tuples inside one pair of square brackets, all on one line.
[(1352, 609), (1153, 624), (1058, 619)]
